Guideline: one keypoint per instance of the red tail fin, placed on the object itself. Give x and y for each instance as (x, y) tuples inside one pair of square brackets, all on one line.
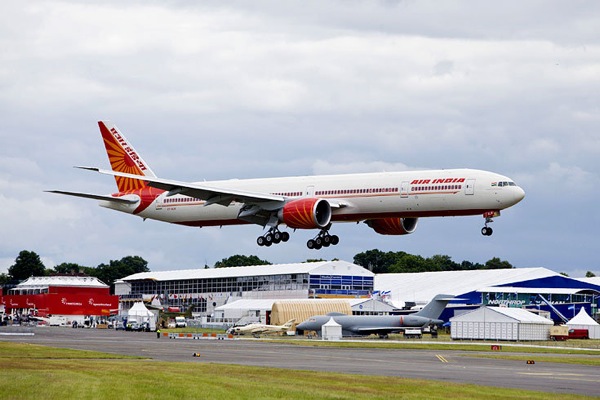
[(123, 158)]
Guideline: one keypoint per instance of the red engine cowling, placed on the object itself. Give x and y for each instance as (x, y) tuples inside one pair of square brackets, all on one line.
[(393, 226), (306, 213)]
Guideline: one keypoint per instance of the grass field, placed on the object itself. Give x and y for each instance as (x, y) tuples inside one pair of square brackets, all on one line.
[(34, 372)]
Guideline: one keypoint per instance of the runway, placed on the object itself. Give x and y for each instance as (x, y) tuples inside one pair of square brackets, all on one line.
[(445, 366)]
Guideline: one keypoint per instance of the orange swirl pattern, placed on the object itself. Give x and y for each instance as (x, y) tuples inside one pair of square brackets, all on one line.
[(388, 226), (121, 161), (299, 214)]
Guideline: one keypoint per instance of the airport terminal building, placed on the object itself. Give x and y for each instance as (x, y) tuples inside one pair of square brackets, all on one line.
[(203, 290)]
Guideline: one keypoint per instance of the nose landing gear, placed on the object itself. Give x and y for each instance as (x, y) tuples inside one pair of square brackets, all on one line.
[(486, 230)]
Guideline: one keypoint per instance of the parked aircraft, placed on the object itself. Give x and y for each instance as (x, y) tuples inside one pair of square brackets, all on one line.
[(388, 202), (381, 325), (257, 329)]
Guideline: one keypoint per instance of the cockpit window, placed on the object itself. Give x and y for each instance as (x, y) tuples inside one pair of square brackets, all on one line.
[(506, 184)]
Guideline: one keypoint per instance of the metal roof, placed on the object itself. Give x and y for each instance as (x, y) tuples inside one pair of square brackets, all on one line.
[(315, 268), (38, 282), (422, 287)]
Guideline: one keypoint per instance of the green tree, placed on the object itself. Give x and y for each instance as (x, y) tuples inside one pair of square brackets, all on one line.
[(408, 263), (376, 261), (469, 266), (590, 274), (496, 263), (240, 261), (70, 268), (440, 262), (117, 269), (4, 279), (27, 264)]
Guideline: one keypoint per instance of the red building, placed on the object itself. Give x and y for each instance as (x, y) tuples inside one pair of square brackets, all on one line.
[(69, 296)]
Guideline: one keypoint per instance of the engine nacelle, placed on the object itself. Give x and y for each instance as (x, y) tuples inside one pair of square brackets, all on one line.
[(307, 213), (393, 226)]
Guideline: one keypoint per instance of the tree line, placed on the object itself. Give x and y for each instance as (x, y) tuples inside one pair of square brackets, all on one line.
[(28, 264)]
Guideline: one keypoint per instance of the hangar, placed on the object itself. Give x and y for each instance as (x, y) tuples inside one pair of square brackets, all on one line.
[(515, 287), (203, 290), (500, 323)]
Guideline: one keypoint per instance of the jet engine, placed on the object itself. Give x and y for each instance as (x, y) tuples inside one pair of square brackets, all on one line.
[(393, 226), (307, 213)]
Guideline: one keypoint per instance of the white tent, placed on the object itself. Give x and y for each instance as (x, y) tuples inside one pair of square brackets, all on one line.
[(500, 323), (331, 330), (583, 321), (139, 313)]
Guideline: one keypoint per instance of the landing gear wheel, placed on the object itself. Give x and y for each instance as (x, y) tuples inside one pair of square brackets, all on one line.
[(323, 239), (269, 238), (318, 243), (273, 236), (486, 231)]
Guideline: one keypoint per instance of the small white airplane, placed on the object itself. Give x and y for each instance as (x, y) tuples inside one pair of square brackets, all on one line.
[(257, 329), (389, 202)]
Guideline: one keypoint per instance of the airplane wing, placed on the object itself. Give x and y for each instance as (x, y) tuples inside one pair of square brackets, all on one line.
[(211, 194), (123, 200)]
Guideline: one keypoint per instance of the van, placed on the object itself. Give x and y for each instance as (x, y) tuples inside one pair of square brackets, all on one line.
[(579, 334), (180, 322)]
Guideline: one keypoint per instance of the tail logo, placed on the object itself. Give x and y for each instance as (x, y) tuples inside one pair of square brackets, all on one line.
[(123, 158)]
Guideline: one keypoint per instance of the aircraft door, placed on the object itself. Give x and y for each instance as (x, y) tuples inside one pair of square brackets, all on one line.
[(404, 189), (470, 186), (310, 191)]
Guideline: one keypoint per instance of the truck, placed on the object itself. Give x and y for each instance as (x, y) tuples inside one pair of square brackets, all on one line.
[(180, 322), (410, 333), (563, 332)]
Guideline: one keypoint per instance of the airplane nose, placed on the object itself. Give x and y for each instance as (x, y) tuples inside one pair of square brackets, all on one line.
[(519, 194), (301, 326)]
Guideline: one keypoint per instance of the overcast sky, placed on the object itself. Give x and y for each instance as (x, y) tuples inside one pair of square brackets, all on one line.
[(220, 90)]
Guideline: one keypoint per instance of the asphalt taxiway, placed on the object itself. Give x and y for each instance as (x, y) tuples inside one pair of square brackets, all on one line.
[(440, 365)]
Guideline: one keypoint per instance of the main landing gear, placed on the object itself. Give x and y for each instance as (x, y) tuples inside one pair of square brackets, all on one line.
[(323, 239), (486, 230), (274, 236)]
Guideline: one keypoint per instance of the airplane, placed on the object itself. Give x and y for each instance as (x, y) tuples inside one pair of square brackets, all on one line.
[(257, 329), (381, 325), (390, 203)]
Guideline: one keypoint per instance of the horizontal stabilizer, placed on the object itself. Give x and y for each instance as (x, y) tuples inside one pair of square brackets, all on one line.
[(121, 200), (212, 194)]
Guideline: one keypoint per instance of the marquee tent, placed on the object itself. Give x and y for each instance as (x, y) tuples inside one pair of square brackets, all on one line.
[(583, 321)]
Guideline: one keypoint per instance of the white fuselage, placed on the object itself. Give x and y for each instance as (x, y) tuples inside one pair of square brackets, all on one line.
[(354, 197)]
